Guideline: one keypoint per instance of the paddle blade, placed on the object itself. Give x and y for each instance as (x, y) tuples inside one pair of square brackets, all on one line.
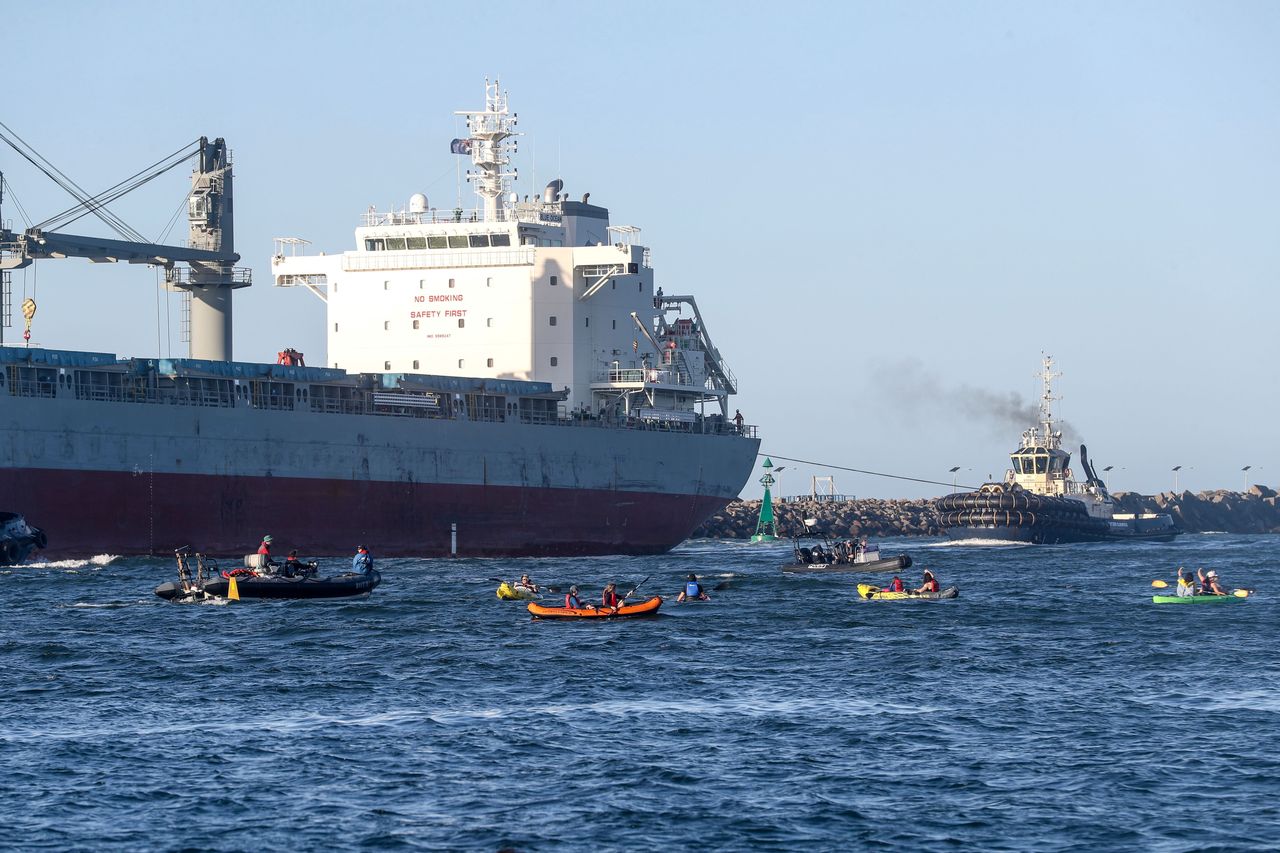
[(1159, 584), (1241, 593), (233, 591)]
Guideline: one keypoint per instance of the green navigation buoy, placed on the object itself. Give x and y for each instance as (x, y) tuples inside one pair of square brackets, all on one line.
[(766, 528)]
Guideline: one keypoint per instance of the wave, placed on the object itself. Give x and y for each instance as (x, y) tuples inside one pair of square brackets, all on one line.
[(97, 561)]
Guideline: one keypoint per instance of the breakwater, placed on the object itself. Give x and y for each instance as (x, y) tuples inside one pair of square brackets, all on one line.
[(1253, 511)]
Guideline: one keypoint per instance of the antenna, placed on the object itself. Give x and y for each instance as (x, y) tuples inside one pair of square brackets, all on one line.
[(1046, 398)]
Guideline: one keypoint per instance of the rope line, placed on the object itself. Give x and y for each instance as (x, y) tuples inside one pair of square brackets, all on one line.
[(864, 471)]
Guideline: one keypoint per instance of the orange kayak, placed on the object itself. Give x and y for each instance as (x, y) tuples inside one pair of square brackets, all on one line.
[(644, 608)]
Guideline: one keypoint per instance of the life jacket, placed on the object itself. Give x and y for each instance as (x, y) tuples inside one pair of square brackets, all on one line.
[(571, 601), (264, 548), (897, 585), (610, 599), (931, 585), (1186, 587), (693, 589)]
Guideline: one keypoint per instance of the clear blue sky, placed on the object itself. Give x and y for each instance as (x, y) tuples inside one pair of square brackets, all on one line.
[(886, 210)]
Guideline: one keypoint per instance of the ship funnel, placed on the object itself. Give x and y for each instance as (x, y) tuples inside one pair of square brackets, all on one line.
[(417, 203), (552, 190)]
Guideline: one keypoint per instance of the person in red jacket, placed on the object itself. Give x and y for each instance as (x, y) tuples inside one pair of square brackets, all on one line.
[(610, 597), (896, 586), (571, 599), (930, 583)]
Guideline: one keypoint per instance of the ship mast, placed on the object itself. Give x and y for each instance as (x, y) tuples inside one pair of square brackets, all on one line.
[(490, 131), (1046, 376)]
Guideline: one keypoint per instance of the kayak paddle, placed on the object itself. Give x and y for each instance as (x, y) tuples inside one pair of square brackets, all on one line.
[(1241, 593), (1159, 584)]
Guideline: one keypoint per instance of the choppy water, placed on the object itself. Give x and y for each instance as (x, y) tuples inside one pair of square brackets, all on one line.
[(1050, 707)]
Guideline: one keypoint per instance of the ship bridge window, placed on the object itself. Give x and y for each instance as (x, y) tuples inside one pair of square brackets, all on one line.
[(458, 241), (1042, 464), (395, 244), (500, 239), (374, 245), (415, 243), (437, 241), (479, 241)]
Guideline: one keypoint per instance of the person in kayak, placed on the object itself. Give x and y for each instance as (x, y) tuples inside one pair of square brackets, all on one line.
[(930, 583), (693, 590), (1186, 583), (896, 585), (1209, 584), (610, 597), (362, 562), (571, 599), (526, 582)]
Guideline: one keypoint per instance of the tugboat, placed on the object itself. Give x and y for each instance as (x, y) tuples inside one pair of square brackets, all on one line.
[(1041, 502)]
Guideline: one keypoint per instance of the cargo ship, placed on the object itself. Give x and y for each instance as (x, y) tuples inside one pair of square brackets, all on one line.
[(1040, 500), (501, 381)]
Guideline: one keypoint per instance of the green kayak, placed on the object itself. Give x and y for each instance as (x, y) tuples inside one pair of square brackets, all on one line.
[(1192, 599)]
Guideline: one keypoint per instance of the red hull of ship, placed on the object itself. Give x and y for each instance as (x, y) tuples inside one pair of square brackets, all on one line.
[(95, 512)]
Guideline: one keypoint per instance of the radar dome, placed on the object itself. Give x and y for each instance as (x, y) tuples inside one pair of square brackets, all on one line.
[(417, 203)]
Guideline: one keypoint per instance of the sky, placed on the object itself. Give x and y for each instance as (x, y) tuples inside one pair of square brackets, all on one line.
[(887, 211)]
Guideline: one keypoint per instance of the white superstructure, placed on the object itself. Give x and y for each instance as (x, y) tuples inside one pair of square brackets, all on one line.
[(538, 289)]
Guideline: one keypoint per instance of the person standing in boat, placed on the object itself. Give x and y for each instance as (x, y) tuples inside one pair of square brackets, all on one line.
[(737, 421), (362, 562), (930, 583), (264, 553)]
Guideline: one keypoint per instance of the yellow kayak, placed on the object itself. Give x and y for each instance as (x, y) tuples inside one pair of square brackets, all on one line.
[(869, 592), (508, 592)]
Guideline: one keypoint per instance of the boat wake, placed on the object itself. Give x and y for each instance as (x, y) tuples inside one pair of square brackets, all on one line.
[(95, 562), (976, 543)]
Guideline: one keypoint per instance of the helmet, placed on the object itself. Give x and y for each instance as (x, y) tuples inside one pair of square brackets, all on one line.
[(574, 589), (266, 538)]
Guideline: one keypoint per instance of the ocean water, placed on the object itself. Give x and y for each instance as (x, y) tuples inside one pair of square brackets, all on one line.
[(1051, 707)]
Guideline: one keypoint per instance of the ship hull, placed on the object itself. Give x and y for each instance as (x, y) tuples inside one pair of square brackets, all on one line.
[(123, 478), (94, 512)]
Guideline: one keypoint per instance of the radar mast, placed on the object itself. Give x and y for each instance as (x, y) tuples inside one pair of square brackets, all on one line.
[(490, 131)]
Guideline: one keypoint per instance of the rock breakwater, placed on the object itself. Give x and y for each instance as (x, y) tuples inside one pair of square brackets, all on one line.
[(1254, 511)]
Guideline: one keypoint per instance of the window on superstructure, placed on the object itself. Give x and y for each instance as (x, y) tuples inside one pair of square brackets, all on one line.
[(460, 363), (386, 365), (437, 241), (373, 245), (451, 283), (488, 282), (488, 362), (415, 323), (554, 361), (386, 285), (415, 364), (615, 324), (555, 280), (335, 327), (458, 241), (462, 324), (488, 322), (395, 244), (500, 239), (386, 325), (422, 283), (1042, 464), (479, 241), (587, 323), (553, 321), (415, 243)]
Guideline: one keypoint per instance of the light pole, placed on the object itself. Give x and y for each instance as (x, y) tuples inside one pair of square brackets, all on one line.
[(1176, 469), (953, 477), (776, 471), (1245, 486), (1106, 470)]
